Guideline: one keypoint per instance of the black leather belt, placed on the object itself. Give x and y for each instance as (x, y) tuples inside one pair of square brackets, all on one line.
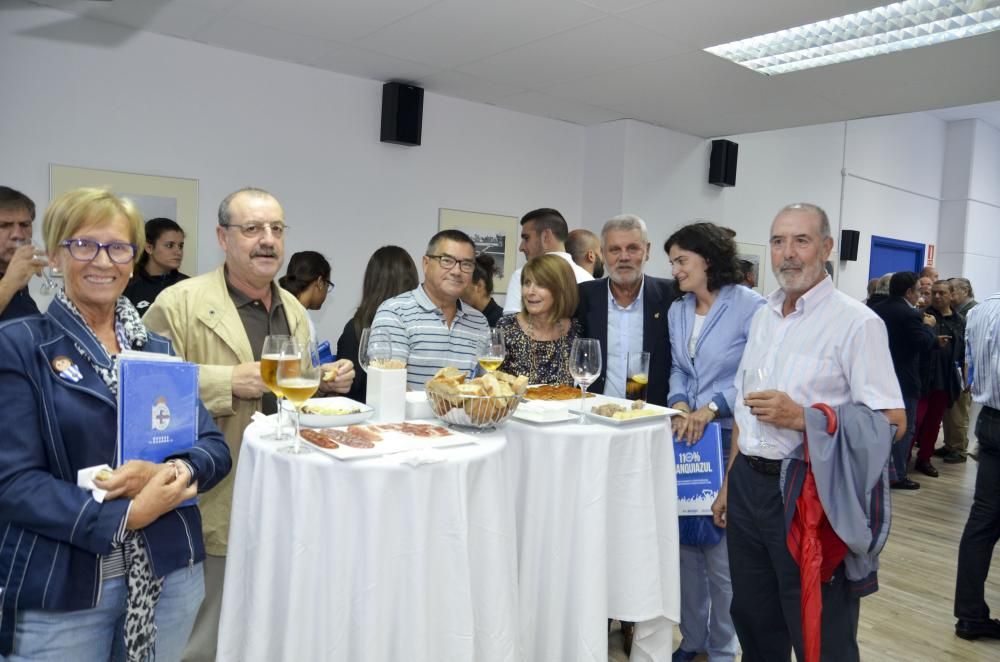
[(764, 465)]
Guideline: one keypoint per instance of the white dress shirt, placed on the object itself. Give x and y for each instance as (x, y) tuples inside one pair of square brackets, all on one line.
[(512, 303), (831, 349)]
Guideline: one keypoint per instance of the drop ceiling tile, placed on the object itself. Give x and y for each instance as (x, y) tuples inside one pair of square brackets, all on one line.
[(180, 18), (464, 86), (340, 20), (615, 6), (355, 61), (596, 47), (455, 32), (536, 103), (240, 35)]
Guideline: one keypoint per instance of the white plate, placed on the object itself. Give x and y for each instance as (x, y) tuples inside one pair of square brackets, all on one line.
[(661, 412), (544, 411), (338, 402)]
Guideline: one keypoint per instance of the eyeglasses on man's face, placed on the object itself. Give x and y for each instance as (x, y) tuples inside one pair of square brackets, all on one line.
[(86, 250), (448, 263), (254, 230)]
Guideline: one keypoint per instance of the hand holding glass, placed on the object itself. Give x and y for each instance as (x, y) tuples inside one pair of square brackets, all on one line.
[(585, 367), (492, 350), (48, 272), (299, 372)]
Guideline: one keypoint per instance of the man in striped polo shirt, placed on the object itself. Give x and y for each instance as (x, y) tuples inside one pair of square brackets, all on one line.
[(810, 344), (430, 327)]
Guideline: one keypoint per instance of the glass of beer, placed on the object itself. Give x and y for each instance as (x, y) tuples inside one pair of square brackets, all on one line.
[(270, 356), (637, 377), (492, 350), (299, 372)]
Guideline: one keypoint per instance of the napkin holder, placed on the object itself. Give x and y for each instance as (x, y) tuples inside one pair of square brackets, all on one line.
[(417, 405), (387, 394)]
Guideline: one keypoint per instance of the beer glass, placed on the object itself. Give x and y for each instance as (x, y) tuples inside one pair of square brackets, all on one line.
[(637, 376), (270, 356)]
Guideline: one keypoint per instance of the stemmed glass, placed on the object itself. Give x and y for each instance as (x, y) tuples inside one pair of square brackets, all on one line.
[(48, 272), (585, 366), (299, 371), (492, 350), (374, 347), (270, 357), (755, 380)]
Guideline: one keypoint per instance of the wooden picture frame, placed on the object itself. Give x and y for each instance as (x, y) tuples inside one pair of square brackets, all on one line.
[(154, 195), (494, 234)]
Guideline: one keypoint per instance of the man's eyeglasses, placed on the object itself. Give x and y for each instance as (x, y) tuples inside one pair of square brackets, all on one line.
[(448, 263), (253, 230), (86, 250)]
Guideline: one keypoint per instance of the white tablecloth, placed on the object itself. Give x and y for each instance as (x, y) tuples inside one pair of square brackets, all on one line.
[(370, 560), (597, 537)]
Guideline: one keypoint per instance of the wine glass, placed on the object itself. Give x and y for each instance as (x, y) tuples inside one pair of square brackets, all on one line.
[(585, 366), (363, 348), (754, 380), (48, 272), (299, 371), (270, 356), (492, 350), (376, 350)]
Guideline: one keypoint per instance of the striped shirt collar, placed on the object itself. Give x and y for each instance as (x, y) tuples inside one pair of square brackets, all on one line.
[(812, 298), (424, 301)]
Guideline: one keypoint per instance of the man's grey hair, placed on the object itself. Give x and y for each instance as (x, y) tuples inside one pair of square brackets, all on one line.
[(964, 284), (824, 220), (625, 222), (224, 211), (883, 284)]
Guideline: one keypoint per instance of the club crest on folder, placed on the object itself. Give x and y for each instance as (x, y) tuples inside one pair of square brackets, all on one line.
[(161, 414)]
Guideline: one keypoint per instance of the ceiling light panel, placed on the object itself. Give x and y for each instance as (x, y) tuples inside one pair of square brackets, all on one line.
[(896, 27)]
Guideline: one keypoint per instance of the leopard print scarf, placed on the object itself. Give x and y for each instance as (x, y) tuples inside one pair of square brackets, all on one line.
[(143, 586)]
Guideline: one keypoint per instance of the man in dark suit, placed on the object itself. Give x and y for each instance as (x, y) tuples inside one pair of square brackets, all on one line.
[(911, 333), (627, 311)]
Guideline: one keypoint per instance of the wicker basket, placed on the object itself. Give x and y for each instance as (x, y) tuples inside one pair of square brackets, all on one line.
[(474, 412)]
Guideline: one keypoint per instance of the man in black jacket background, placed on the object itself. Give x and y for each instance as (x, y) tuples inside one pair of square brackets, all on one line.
[(910, 334)]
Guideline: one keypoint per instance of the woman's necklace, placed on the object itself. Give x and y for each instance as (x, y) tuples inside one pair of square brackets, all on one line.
[(534, 377)]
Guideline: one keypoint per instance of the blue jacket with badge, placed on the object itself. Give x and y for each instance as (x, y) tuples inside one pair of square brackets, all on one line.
[(53, 533)]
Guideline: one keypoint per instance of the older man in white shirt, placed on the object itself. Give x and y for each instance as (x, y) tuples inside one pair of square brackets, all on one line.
[(810, 344), (543, 231)]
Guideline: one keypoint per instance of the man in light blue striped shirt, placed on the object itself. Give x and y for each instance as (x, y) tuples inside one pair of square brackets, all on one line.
[(982, 353), (429, 326)]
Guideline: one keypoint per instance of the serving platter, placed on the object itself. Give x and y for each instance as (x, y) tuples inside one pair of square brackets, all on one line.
[(357, 442), (325, 420)]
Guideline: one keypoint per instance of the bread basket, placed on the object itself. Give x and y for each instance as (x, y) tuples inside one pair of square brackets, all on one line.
[(473, 412)]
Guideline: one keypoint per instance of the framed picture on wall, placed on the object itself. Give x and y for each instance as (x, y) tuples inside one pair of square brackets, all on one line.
[(175, 198), (495, 235), (754, 258)]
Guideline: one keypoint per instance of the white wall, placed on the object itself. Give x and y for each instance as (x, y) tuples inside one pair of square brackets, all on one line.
[(158, 105)]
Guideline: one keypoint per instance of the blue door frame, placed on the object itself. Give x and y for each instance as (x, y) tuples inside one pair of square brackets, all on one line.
[(892, 255)]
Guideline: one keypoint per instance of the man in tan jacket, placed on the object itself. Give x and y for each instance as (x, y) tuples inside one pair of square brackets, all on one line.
[(219, 320)]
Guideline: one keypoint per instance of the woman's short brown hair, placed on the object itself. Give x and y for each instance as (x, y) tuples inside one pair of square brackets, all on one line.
[(82, 206), (554, 274)]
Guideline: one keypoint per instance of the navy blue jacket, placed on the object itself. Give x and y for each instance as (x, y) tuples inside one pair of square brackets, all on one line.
[(657, 295), (52, 532), (909, 338)]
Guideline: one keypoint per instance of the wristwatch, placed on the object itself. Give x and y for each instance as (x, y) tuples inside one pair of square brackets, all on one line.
[(714, 408)]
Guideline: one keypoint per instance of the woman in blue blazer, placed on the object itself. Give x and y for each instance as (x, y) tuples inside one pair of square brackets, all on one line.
[(82, 579), (708, 331)]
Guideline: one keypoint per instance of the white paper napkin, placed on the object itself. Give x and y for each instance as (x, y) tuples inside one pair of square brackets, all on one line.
[(85, 479), (420, 456)]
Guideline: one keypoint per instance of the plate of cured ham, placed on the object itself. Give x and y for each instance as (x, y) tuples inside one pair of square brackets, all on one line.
[(377, 439)]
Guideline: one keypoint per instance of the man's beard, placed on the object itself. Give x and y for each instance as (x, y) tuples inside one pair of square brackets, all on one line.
[(808, 275)]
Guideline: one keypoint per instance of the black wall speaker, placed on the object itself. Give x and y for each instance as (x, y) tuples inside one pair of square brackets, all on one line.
[(849, 244), (402, 113), (722, 166)]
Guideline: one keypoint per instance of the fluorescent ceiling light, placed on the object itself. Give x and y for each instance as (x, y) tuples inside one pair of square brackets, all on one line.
[(895, 27)]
